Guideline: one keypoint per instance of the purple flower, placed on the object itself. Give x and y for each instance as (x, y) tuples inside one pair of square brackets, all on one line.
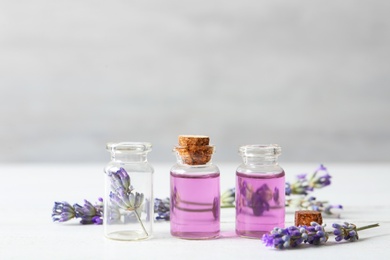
[(304, 184), (320, 178), (120, 180), (88, 213), (122, 194), (281, 238), (300, 186), (259, 200), (315, 234), (345, 231), (293, 236), (62, 211), (161, 208), (127, 201)]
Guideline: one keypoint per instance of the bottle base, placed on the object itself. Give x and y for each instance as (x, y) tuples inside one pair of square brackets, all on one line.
[(251, 234), (127, 235), (196, 235)]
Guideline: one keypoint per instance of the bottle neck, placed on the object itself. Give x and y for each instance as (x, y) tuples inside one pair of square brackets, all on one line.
[(257, 160), (182, 163), (129, 157)]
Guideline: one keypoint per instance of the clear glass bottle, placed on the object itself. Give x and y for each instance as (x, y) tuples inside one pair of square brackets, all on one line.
[(260, 191), (128, 200), (195, 190)]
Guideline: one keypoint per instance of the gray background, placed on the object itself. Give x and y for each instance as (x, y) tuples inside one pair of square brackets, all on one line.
[(312, 76)]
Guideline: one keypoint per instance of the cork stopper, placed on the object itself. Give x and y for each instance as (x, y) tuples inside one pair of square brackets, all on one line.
[(193, 140), (194, 149), (304, 217)]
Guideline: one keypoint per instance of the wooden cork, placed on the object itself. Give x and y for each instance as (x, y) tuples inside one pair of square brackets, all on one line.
[(193, 140), (305, 217), (194, 149)]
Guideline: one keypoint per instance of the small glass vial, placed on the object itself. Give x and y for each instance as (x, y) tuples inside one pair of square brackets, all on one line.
[(195, 190), (128, 201), (260, 191)]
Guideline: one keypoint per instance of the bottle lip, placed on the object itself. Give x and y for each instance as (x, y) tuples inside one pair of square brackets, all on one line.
[(254, 150), (132, 147)]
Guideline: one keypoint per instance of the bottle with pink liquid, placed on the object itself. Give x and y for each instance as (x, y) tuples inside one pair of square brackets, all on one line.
[(260, 191), (195, 190)]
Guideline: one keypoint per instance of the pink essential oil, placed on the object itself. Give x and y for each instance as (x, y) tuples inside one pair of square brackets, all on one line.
[(195, 206), (195, 192), (260, 203), (260, 191)]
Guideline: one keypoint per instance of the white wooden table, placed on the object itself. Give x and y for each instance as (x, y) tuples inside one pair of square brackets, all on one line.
[(28, 193)]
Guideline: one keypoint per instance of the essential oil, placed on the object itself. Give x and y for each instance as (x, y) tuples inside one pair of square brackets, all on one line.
[(195, 206), (259, 204)]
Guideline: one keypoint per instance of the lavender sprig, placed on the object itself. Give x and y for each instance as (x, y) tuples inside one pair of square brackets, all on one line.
[(314, 234), (303, 184), (89, 214), (293, 236), (123, 196)]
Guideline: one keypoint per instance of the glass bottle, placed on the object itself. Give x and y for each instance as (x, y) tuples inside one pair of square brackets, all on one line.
[(260, 191), (128, 200), (195, 190)]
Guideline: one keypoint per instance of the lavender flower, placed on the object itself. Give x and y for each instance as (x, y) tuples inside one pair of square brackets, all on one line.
[(161, 208), (304, 184), (122, 194), (259, 200), (322, 180), (345, 231), (62, 211), (120, 180), (127, 201), (283, 237), (300, 186), (315, 234), (89, 214), (293, 236)]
